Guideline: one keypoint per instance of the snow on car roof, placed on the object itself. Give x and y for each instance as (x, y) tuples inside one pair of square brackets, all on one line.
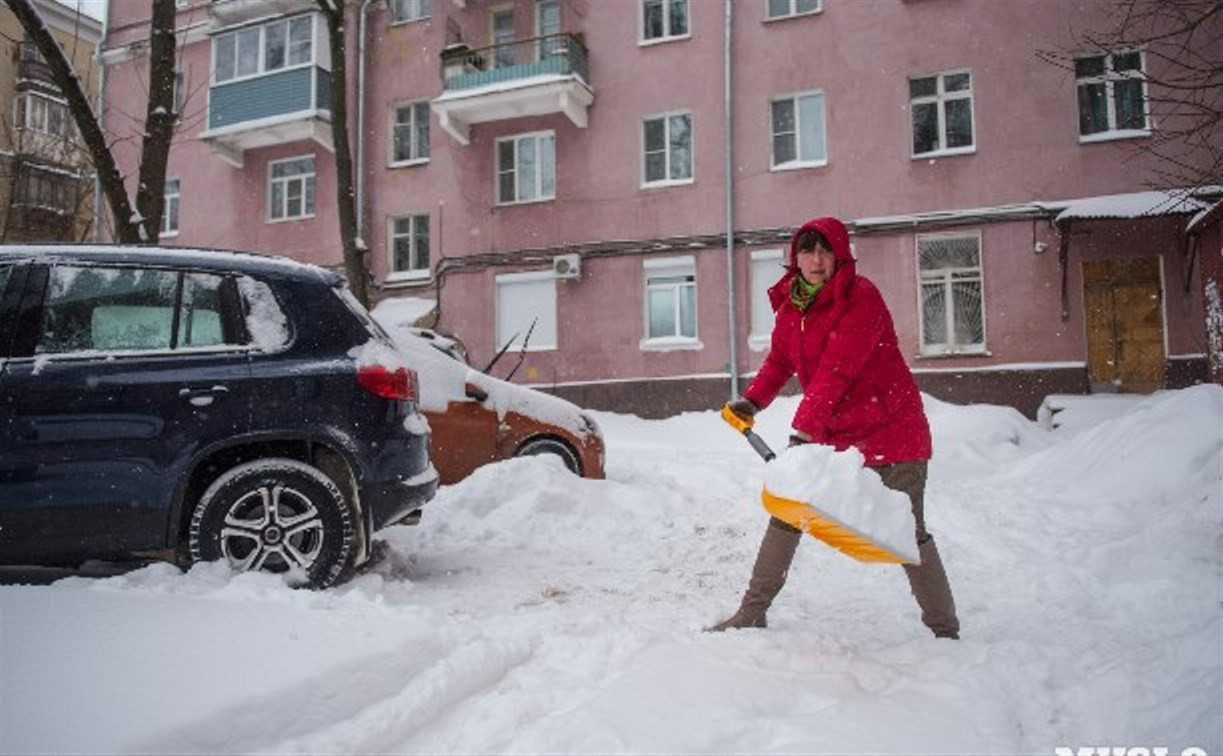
[(250, 262)]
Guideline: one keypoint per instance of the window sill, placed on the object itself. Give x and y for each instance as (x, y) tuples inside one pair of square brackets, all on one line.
[(671, 344), (792, 16), (668, 183), (983, 352), (408, 163), (525, 202), (946, 153), (758, 343), (167, 234), (291, 218), (408, 21), (408, 277), (797, 165), (663, 40), (1113, 136)]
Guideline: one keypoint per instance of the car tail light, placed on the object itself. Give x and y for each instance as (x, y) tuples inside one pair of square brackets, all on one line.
[(388, 383)]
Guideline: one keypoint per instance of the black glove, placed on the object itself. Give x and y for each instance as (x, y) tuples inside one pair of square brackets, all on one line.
[(744, 408), (797, 440)]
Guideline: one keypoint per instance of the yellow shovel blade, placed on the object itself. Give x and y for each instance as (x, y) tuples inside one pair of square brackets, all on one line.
[(807, 518)]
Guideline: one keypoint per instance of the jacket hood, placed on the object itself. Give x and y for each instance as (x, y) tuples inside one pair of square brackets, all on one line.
[(838, 236)]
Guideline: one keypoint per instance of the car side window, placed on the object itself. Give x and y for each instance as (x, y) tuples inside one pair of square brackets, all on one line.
[(124, 309)]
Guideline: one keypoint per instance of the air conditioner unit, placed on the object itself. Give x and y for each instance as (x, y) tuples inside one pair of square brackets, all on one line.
[(567, 266)]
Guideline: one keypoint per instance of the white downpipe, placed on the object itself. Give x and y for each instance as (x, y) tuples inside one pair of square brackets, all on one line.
[(97, 181), (360, 163), (730, 217)]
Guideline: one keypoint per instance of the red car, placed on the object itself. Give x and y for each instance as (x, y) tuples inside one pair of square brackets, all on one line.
[(476, 419)]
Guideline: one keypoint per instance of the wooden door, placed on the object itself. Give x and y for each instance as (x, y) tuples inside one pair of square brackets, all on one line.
[(1125, 328)]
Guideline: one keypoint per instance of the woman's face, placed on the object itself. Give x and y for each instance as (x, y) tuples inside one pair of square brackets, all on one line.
[(816, 265)]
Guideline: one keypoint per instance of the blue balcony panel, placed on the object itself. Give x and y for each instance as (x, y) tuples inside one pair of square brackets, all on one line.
[(272, 109)]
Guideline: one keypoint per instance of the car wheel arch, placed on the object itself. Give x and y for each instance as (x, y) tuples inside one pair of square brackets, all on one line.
[(546, 443), (214, 461)]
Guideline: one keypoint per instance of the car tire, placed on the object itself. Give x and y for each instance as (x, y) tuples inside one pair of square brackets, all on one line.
[(552, 446), (277, 515)]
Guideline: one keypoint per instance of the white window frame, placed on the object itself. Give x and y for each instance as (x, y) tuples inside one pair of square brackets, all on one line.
[(767, 267), (666, 119), (410, 274), (1109, 79), (667, 36), (306, 179), (172, 200), (261, 56), (540, 137), (946, 277), (940, 99), (500, 45), (416, 158), (410, 11), (544, 49), (670, 267), (798, 162), (24, 114), (793, 11), (544, 300)]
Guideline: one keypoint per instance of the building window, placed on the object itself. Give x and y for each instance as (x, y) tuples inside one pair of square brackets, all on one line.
[(179, 92), (48, 189), (790, 8), (941, 109), (766, 270), (503, 37), (547, 26), (798, 131), (291, 188), (526, 168), (29, 51), (43, 114), (1112, 95), (410, 10), (663, 19), (410, 133), (526, 311), (169, 209), (952, 309), (670, 302), (263, 49), (667, 154), (409, 247)]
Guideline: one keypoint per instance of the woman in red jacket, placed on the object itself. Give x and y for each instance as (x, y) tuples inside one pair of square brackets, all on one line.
[(834, 331)]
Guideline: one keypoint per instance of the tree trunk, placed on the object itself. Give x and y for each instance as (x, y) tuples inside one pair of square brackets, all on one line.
[(158, 123), (354, 255)]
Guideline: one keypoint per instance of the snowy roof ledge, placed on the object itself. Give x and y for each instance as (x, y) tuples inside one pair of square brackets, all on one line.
[(1127, 206)]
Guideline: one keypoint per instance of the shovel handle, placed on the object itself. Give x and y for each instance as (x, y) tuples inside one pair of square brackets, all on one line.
[(759, 445), (744, 426)]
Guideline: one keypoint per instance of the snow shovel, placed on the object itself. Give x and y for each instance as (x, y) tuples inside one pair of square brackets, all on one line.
[(810, 518)]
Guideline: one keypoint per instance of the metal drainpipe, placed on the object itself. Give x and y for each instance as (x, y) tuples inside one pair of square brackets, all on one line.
[(730, 218), (360, 190)]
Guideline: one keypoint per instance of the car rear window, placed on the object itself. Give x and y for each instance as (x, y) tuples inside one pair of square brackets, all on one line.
[(265, 320), (122, 309)]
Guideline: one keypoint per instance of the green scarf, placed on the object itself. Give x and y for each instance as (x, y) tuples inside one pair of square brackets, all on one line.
[(802, 292)]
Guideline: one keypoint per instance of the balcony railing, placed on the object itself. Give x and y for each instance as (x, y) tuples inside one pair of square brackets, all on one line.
[(269, 109), (535, 76), (464, 68)]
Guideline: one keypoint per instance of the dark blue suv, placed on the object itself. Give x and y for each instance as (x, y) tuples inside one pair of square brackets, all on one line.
[(193, 405)]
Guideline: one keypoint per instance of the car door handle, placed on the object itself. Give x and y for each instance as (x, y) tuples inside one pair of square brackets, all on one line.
[(202, 397)]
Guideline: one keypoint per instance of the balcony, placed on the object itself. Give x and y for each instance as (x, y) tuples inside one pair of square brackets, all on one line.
[(234, 12), (259, 111), (533, 77)]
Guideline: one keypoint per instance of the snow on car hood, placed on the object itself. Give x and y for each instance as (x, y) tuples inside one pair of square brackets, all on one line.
[(444, 379)]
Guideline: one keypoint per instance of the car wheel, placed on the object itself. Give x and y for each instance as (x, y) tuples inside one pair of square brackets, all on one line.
[(552, 446), (277, 515)]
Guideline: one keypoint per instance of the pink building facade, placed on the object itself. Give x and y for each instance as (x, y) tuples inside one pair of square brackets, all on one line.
[(570, 168)]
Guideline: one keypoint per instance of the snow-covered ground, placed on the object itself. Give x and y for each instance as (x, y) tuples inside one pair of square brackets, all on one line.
[(535, 612)]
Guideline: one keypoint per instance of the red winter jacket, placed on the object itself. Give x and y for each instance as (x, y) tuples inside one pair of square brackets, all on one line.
[(857, 389)]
